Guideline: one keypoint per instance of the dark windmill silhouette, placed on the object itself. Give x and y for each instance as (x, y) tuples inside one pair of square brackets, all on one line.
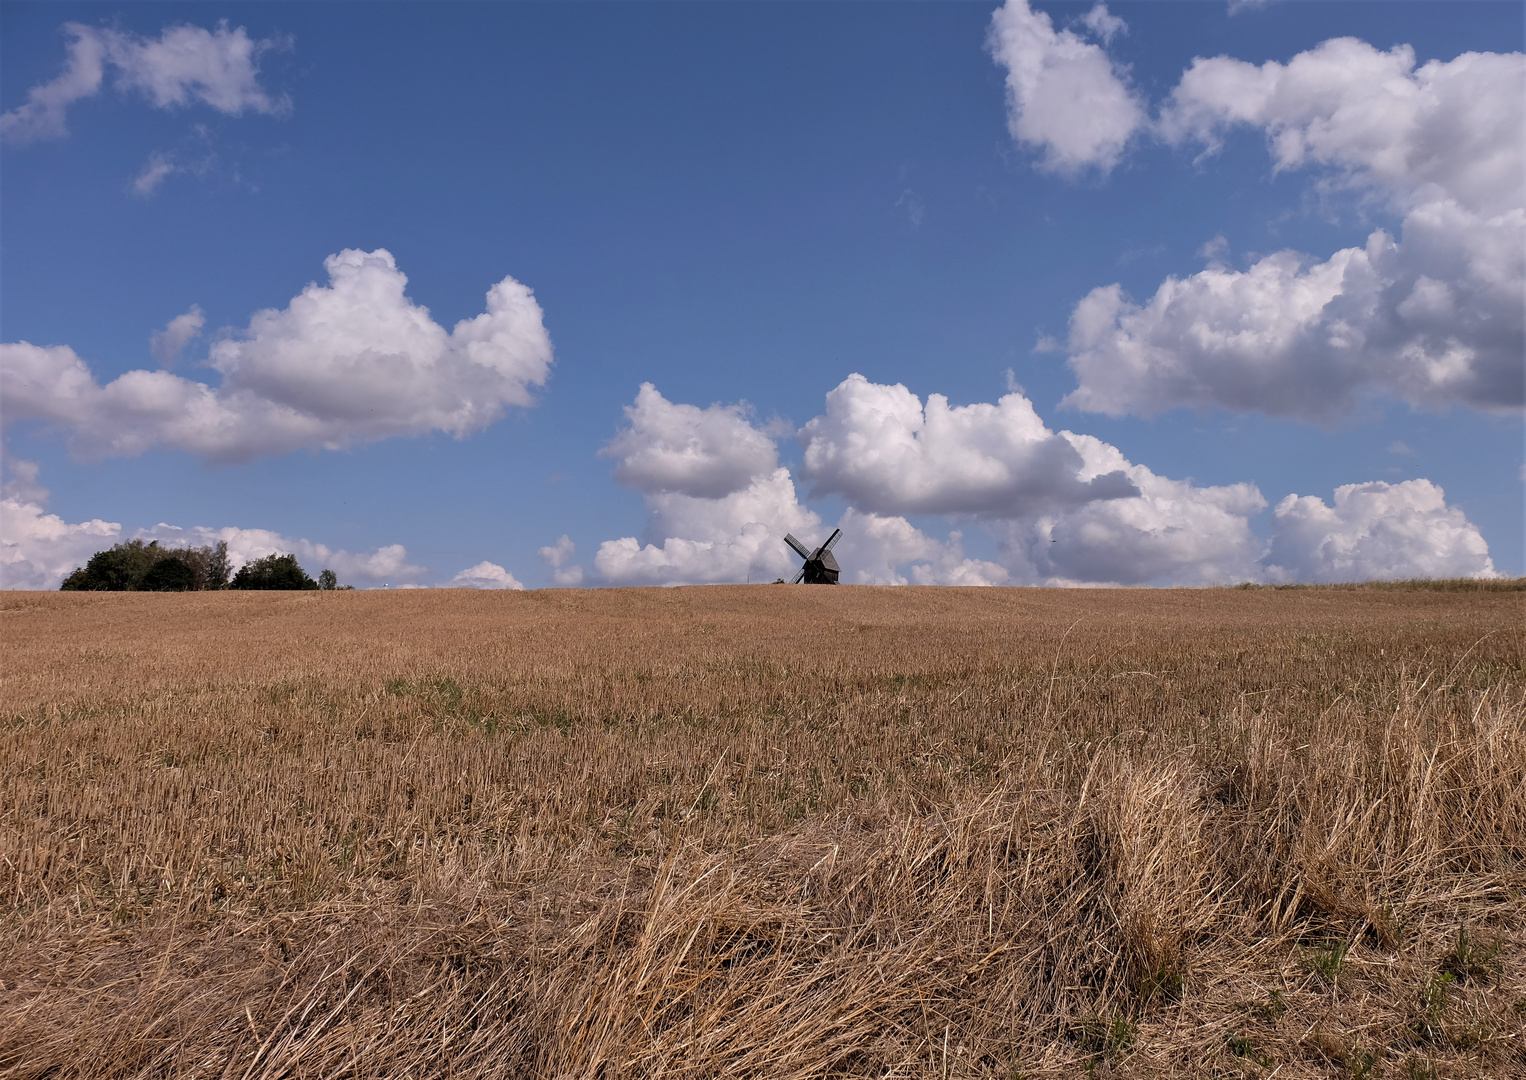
[(820, 565)]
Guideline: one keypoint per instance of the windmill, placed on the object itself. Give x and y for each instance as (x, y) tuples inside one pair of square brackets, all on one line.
[(820, 565)]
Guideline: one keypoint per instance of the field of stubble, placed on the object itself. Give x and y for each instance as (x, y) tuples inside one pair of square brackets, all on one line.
[(764, 832)]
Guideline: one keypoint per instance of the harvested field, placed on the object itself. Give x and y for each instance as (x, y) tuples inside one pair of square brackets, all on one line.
[(764, 832)]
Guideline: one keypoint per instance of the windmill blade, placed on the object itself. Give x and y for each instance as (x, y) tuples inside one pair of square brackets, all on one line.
[(831, 540), (800, 549), (799, 577)]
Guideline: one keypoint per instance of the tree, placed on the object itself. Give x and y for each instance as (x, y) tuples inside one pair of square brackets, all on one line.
[(171, 575), (119, 568), (76, 581), (217, 567), (134, 565), (328, 580), (273, 572)]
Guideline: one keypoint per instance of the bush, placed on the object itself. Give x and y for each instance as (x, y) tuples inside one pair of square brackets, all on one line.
[(273, 572)]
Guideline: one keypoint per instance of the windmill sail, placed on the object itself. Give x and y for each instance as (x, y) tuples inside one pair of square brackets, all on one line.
[(820, 565)]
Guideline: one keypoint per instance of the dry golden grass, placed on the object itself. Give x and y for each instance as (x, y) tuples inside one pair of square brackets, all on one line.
[(764, 832)]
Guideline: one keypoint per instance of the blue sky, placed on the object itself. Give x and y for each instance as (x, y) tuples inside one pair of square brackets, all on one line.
[(743, 205)]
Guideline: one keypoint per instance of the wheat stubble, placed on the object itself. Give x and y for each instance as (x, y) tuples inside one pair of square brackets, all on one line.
[(763, 831)]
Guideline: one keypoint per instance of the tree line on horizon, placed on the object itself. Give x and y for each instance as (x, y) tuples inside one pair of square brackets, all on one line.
[(135, 566)]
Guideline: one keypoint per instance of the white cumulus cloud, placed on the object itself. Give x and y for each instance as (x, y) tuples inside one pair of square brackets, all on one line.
[(382, 565), (1445, 129), (1172, 533), (485, 575), (682, 448), (38, 548), (901, 457), (1063, 507), (184, 65), (1375, 531), (880, 550), (718, 503), (1070, 507), (883, 450), (697, 540), (1433, 317), (1065, 96), (354, 361)]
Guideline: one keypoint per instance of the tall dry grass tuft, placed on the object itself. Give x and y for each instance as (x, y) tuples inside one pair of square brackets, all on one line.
[(764, 832)]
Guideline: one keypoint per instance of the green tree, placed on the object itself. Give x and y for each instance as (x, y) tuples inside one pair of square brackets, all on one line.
[(328, 580), (218, 570), (273, 572), (119, 568), (76, 581), (134, 565), (170, 574)]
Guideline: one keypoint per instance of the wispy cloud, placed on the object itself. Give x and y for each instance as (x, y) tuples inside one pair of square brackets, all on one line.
[(167, 344), (558, 557), (155, 170), (185, 65)]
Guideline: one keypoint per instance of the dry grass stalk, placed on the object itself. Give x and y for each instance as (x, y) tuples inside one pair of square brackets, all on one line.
[(764, 832)]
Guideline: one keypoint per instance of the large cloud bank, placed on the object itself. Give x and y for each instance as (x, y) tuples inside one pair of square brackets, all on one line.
[(353, 361), (1432, 316), (719, 505), (1070, 507), (1061, 508), (184, 65)]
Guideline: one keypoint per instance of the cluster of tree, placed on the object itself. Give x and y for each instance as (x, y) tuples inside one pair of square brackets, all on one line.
[(136, 566)]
